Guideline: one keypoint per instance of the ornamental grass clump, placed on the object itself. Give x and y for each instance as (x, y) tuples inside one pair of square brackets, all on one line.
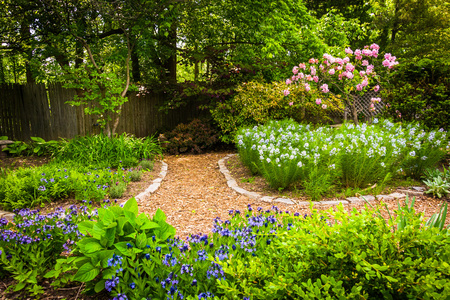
[(287, 153), (102, 151)]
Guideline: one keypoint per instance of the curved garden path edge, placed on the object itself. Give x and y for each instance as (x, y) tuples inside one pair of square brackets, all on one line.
[(256, 196)]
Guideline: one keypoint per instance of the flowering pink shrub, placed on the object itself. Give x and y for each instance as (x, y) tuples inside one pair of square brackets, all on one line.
[(335, 77)]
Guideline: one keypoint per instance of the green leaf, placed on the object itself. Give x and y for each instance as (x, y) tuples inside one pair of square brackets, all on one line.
[(19, 286), (106, 216), (141, 240), (100, 286), (85, 226), (86, 272), (92, 247), (159, 216), (131, 206)]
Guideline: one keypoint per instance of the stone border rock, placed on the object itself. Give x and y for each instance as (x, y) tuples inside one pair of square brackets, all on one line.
[(151, 189), (155, 184), (256, 196)]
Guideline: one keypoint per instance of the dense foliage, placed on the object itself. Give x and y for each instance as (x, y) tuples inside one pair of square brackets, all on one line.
[(420, 91), (256, 103), (257, 254)]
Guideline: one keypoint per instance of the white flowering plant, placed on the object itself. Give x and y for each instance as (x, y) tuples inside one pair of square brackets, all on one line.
[(285, 152)]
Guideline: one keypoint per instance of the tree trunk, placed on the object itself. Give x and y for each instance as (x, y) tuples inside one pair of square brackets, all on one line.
[(135, 68), (354, 113)]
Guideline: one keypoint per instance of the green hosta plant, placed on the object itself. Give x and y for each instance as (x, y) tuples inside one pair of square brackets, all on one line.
[(119, 231)]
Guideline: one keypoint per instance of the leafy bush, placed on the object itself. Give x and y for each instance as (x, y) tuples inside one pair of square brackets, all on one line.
[(285, 152), (120, 238), (195, 137), (135, 175), (117, 190), (420, 91), (31, 244), (256, 103)]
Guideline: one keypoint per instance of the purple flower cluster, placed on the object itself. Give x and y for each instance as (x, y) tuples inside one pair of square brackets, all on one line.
[(110, 284)]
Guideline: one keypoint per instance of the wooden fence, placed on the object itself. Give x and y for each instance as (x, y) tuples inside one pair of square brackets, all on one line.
[(36, 110)]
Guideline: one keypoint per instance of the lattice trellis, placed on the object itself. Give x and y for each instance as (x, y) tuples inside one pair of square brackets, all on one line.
[(362, 106)]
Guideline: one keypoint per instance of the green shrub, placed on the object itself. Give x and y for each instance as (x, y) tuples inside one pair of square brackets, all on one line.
[(256, 103), (420, 91), (196, 137)]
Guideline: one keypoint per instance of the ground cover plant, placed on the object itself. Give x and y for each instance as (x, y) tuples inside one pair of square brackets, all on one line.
[(285, 152), (35, 186), (257, 254)]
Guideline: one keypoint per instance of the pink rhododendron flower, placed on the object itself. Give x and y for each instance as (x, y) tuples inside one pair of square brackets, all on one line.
[(387, 56), (386, 63), (346, 59), (286, 92), (378, 100), (301, 75), (302, 66), (376, 88), (349, 67), (365, 62), (324, 88), (339, 68), (331, 72), (367, 52), (316, 79), (307, 87), (348, 50), (291, 103), (318, 101), (375, 53), (288, 81), (372, 107), (358, 57), (295, 70), (370, 67), (362, 73), (350, 75), (357, 52), (359, 87), (339, 61), (324, 106), (374, 47), (365, 82), (309, 77), (313, 70)]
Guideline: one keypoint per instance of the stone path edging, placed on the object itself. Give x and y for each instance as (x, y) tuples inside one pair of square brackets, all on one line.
[(155, 184), (256, 196), (151, 189)]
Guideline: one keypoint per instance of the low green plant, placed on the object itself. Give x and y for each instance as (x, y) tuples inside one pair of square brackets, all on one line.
[(27, 187), (135, 175), (31, 244), (117, 190), (147, 165), (18, 148), (437, 186)]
